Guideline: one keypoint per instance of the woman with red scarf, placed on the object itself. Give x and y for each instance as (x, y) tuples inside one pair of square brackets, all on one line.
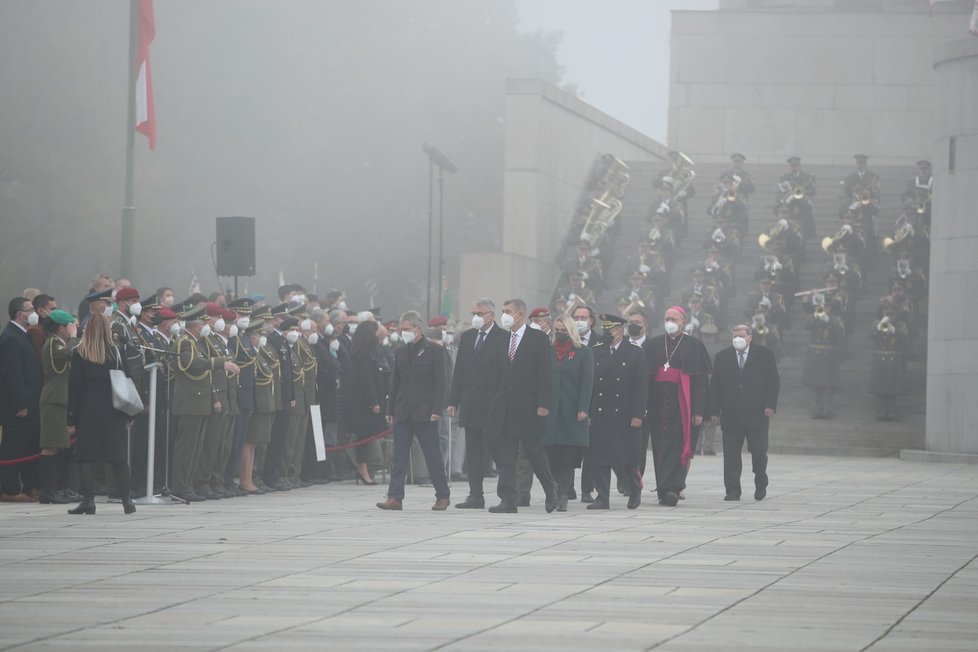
[(566, 439)]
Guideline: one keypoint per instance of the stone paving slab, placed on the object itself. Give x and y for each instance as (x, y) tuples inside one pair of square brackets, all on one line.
[(844, 554)]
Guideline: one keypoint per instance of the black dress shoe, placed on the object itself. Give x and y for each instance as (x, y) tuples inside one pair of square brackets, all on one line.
[(635, 498), (573, 494), (128, 507), (760, 494), (586, 497), (550, 504), (731, 497), (472, 502), (503, 508), (281, 485), (599, 504), (670, 499), (562, 504), (84, 507)]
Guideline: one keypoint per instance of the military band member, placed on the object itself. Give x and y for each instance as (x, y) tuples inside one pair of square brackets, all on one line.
[(617, 414), (848, 273), (699, 323), (730, 205), (579, 292), (861, 184), (637, 295), (771, 300), (707, 293), (826, 348), (745, 182), (781, 272), (766, 333), (888, 372), (917, 195), (583, 260), (797, 188)]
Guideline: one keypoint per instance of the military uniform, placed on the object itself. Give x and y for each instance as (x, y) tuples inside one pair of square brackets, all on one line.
[(280, 424), (888, 372), (218, 423), (802, 209), (776, 312), (826, 350), (306, 362)]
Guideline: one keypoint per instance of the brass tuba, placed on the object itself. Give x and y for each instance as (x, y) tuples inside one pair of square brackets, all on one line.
[(903, 231), (829, 241), (764, 238), (682, 173)]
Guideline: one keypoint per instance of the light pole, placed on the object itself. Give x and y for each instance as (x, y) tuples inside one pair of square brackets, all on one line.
[(436, 158)]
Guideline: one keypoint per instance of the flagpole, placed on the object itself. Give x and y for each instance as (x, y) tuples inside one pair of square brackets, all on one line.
[(128, 210)]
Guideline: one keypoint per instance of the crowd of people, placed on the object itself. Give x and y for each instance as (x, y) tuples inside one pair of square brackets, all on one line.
[(238, 390)]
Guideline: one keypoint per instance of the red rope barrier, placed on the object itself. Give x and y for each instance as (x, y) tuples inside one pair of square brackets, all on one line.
[(29, 458)]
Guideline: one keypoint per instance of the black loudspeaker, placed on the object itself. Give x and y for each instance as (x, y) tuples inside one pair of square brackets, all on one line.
[(235, 246)]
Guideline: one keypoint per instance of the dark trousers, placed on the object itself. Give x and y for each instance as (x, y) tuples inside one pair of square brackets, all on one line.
[(733, 444), (507, 449), (627, 478), (563, 462), (19, 441), (476, 459), (276, 447), (427, 435), (587, 476), (138, 447)]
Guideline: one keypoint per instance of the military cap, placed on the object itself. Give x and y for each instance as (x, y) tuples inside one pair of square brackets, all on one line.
[(737, 157), (280, 310), (125, 294), (299, 310), (62, 317), (609, 321), (214, 309), (289, 322), (256, 297), (104, 295), (539, 312), (860, 157), (195, 313), (242, 306), (794, 159), (255, 325), (696, 297), (831, 274), (438, 321), (923, 163), (333, 296), (151, 303), (261, 312), (167, 313), (228, 315)]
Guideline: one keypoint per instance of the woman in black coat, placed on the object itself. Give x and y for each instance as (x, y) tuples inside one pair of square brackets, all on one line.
[(100, 428), (366, 395)]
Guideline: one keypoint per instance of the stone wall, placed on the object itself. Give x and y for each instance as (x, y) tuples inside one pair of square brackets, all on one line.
[(551, 140), (952, 334), (822, 85)]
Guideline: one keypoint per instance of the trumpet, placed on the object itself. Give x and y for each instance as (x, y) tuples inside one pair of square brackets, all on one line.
[(573, 303), (635, 303), (886, 326), (819, 310)]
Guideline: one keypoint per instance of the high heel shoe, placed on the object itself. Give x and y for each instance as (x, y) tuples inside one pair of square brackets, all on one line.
[(367, 481), (128, 507), (84, 507)]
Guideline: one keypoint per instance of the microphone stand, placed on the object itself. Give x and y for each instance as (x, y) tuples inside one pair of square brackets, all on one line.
[(165, 498)]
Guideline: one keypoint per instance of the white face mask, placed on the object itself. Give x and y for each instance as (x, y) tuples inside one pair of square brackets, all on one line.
[(353, 328), (395, 337), (478, 322), (108, 311), (233, 331), (535, 326), (334, 346), (136, 309), (243, 322), (205, 331), (671, 327), (341, 305), (447, 337), (328, 329), (32, 319), (262, 341), (506, 321), (581, 326), (292, 337), (219, 325), (739, 343), (175, 330), (306, 324), (313, 338), (407, 337), (387, 341)]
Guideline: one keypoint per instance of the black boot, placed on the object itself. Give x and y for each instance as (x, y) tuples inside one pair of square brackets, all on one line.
[(64, 475), (120, 471), (47, 472), (86, 477)]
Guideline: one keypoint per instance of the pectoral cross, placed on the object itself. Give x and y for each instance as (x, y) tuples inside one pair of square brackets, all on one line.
[(665, 367)]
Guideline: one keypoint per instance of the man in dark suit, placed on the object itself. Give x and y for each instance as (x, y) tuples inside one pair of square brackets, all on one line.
[(744, 394), (471, 391), (520, 403), (21, 379), (417, 399)]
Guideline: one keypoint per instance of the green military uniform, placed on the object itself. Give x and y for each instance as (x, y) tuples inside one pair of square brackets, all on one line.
[(55, 360), (193, 403), (261, 428), (826, 349), (217, 426), (887, 375), (298, 416)]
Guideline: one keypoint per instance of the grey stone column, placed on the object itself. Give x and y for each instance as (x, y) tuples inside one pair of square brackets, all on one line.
[(952, 336)]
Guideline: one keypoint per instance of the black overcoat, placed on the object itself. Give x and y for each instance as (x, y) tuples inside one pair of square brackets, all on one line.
[(740, 396)]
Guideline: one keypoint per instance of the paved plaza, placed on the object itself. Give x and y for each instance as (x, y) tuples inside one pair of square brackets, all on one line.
[(844, 554)]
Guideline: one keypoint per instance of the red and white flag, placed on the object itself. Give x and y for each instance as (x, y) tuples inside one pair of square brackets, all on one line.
[(145, 112)]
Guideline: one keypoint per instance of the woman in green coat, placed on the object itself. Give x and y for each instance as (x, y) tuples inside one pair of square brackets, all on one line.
[(61, 333), (567, 424)]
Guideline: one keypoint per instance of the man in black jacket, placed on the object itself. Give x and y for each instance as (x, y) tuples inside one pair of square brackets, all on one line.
[(21, 379), (417, 399), (520, 404), (744, 394), (471, 391)]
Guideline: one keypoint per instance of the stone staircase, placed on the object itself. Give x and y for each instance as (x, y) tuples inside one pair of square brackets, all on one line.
[(854, 430)]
